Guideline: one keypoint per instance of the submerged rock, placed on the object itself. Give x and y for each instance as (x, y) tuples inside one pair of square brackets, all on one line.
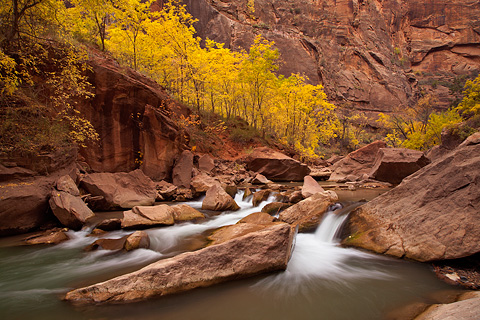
[(275, 165), (308, 213), (434, 214), (254, 253), (217, 199), (120, 190)]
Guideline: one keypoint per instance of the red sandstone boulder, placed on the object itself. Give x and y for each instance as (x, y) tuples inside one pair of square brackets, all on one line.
[(148, 216), (120, 190), (275, 208), (202, 182), (310, 187), (258, 218), (54, 236), (71, 211), (137, 240), (217, 199), (260, 179), (257, 252), (434, 214), (206, 163), (182, 171), (275, 165), (183, 212), (260, 196), (24, 205), (308, 213), (356, 165), (66, 183), (394, 164)]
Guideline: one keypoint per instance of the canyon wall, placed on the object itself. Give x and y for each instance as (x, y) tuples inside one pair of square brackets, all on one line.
[(372, 55)]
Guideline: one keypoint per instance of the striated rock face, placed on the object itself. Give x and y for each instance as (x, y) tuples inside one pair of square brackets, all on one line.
[(256, 252), (434, 214), (372, 55), (132, 116)]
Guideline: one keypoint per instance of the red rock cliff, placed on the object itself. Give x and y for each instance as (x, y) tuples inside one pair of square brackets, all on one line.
[(132, 115), (370, 54)]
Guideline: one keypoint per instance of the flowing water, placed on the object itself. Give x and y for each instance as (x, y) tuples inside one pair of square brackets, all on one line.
[(322, 280)]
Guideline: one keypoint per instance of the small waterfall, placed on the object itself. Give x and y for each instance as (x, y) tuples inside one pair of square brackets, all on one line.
[(319, 256)]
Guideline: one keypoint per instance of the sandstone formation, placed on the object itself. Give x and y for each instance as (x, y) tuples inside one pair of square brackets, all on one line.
[(275, 165), (202, 182), (54, 236), (206, 163), (148, 216), (465, 309), (110, 224), (371, 55), (120, 190), (24, 205), (257, 252), (258, 218), (182, 171), (70, 210), (228, 233), (394, 164), (308, 213), (275, 208), (137, 240), (260, 196), (433, 214), (133, 117), (66, 183), (310, 187), (357, 164), (183, 212), (216, 199)]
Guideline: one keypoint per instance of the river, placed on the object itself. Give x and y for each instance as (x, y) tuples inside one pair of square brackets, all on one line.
[(322, 280)]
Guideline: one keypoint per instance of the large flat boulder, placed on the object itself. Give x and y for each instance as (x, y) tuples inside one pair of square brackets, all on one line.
[(434, 214), (275, 165), (254, 253), (308, 213), (146, 217), (120, 190), (357, 164), (393, 164)]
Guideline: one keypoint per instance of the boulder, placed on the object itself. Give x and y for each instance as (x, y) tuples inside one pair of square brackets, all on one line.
[(183, 212), (54, 236), (71, 211), (66, 184), (260, 196), (217, 199), (202, 182), (137, 240), (275, 208), (466, 308), (144, 217), (310, 187), (182, 171), (166, 190), (107, 244), (275, 165), (308, 213), (356, 164), (258, 218), (206, 163), (248, 192), (120, 190), (109, 224), (258, 252), (24, 205), (434, 214), (394, 164), (228, 233), (260, 179)]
